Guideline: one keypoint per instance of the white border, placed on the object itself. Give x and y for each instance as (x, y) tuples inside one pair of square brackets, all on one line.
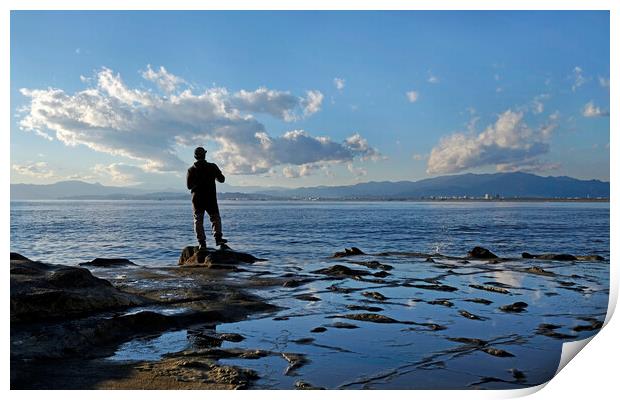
[(592, 375)]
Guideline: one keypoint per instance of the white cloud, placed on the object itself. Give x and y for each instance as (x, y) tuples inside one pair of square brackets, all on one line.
[(592, 111), (578, 78), (112, 118), (412, 96), (162, 78), (357, 171), (339, 83), (508, 143), (120, 173), (604, 82), (419, 157), (301, 171), (36, 170), (538, 107), (432, 78)]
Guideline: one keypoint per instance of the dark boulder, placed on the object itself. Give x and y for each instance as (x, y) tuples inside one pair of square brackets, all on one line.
[(107, 262), (221, 258), (340, 270), (481, 253), (353, 251)]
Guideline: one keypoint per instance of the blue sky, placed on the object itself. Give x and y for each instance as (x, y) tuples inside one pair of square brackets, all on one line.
[(307, 98)]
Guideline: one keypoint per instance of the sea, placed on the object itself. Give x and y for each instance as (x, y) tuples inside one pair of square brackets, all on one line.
[(298, 237)]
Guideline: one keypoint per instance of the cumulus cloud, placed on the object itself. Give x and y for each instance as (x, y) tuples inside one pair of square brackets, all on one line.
[(110, 117), (339, 83), (508, 143), (412, 96), (120, 173), (604, 82), (357, 171), (538, 105), (162, 78), (38, 170), (302, 170), (578, 78), (592, 111)]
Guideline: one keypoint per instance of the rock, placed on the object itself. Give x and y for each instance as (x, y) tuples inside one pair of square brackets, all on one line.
[(518, 307), (318, 329), (539, 271), (363, 308), (469, 315), (439, 288), (221, 258), (304, 340), (18, 257), (518, 375), (341, 270), (374, 295), (381, 274), (231, 337), (374, 265), (353, 251), (479, 301), (497, 352), (368, 317), (470, 341), (481, 253), (339, 289), (301, 385), (343, 325), (293, 283), (43, 292), (490, 288), (594, 325), (441, 302), (563, 257), (295, 361), (307, 297), (107, 262), (549, 331)]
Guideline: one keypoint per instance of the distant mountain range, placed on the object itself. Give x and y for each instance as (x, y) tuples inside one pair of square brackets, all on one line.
[(504, 185)]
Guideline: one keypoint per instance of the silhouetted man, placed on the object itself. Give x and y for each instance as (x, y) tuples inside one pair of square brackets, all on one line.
[(201, 179)]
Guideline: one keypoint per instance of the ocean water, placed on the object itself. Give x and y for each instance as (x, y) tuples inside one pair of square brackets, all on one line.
[(152, 233), (298, 238)]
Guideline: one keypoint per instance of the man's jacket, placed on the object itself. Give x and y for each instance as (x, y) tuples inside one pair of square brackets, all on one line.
[(201, 179)]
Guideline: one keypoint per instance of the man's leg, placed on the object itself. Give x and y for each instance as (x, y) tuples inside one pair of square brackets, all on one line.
[(199, 228), (216, 223)]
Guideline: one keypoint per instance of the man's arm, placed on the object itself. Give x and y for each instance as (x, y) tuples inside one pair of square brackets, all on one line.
[(218, 175), (190, 179)]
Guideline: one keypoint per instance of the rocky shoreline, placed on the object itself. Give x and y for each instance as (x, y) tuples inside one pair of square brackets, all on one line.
[(67, 324)]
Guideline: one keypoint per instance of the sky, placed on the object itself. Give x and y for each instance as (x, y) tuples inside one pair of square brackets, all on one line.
[(307, 98)]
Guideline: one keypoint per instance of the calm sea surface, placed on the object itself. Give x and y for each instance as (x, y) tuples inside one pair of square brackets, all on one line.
[(153, 232), (297, 238)]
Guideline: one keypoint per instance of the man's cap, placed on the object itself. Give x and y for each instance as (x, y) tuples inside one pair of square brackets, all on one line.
[(199, 153)]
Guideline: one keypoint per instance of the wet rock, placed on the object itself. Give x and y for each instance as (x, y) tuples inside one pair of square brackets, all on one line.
[(48, 292), (280, 319), (221, 258), (539, 271), (341, 270), (343, 325), (374, 295), (295, 361), (318, 329), (593, 326), (293, 283), (301, 385), (368, 317), (490, 288), (441, 302), (356, 307), (518, 375), (469, 315), (497, 352), (381, 274), (549, 331), (439, 288), (307, 297), (339, 289), (429, 260), (470, 341), (107, 262), (481, 253), (231, 337), (353, 251), (517, 307), (563, 257), (374, 265), (304, 341), (479, 301)]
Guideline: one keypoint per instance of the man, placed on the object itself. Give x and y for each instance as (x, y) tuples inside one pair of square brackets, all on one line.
[(201, 179)]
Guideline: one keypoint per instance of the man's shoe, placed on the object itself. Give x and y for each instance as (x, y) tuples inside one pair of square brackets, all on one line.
[(202, 247), (221, 241)]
